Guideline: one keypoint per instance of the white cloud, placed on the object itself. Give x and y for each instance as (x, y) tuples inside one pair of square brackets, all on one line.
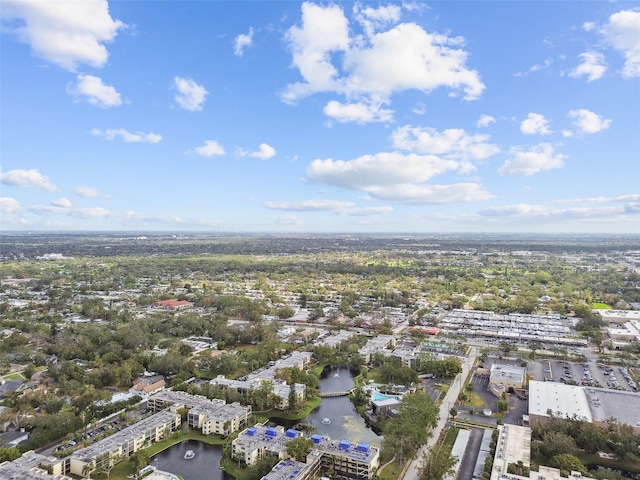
[(64, 33), (527, 212), (414, 194), (89, 192), (373, 66), (588, 122), (365, 211), (190, 96), (309, 205), (375, 19), (397, 177), (96, 92), (622, 33), (264, 152), (27, 179), (635, 197), (62, 202), (357, 112), (209, 149), (539, 158), (588, 26), (336, 206), (286, 220), (593, 66), (485, 121), (127, 136), (10, 206), (535, 124), (242, 41), (369, 171), (452, 143)]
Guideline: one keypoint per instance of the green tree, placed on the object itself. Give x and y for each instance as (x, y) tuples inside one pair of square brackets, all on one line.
[(567, 463), (437, 464), (410, 428), (298, 448), (139, 459)]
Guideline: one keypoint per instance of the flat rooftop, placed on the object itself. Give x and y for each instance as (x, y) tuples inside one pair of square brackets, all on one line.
[(621, 405), (562, 400)]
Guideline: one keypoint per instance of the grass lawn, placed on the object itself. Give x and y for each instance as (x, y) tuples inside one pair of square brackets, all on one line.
[(475, 400), (391, 471), (14, 376), (601, 306)]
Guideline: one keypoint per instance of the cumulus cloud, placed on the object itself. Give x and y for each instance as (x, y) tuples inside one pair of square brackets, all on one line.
[(95, 92), (528, 162), (65, 33), (190, 96), (358, 112), (264, 152), (588, 122), (369, 171), (375, 19), (241, 42), (396, 177), (622, 33), (89, 192), (10, 206), (62, 202), (416, 194), (387, 58), (27, 179), (452, 143), (593, 66), (209, 149), (535, 124), (127, 136), (485, 121)]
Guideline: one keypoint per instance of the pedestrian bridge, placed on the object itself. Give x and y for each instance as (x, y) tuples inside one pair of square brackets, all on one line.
[(342, 393)]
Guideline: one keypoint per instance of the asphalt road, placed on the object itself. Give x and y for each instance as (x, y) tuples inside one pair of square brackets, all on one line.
[(412, 472)]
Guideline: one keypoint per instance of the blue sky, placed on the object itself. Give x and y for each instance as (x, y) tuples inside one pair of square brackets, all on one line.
[(286, 116)]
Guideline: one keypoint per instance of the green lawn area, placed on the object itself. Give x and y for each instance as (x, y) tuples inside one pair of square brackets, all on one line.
[(475, 400), (601, 306), (14, 376), (391, 471)]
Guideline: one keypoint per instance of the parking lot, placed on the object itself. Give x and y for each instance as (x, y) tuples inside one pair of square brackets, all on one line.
[(588, 373)]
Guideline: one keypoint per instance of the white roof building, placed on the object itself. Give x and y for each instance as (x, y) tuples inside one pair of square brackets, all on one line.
[(559, 399)]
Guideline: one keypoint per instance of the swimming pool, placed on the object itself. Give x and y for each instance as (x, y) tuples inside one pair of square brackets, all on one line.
[(381, 396)]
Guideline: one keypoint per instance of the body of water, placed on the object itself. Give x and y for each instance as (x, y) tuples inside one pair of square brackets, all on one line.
[(335, 417), (346, 422), (204, 466)]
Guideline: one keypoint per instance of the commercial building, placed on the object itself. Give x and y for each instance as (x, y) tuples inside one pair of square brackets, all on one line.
[(548, 328), (342, 459), (586, 403), (618, 316), (514, 445), (505, 378)]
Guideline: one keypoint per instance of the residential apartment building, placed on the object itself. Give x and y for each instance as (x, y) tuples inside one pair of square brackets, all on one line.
[(337, 459)]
